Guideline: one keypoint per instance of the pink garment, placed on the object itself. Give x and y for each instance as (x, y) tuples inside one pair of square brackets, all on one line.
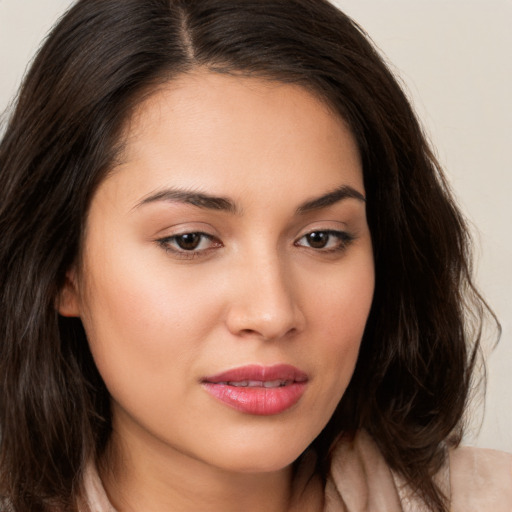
[(476, 480)]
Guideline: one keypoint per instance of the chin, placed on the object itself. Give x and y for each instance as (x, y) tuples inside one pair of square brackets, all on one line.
[(261, 456)]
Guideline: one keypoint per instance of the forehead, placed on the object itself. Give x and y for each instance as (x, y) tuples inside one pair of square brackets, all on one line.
[(229, 92), (206, 129)]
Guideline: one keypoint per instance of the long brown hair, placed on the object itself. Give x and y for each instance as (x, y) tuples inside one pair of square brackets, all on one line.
[(412, 379)]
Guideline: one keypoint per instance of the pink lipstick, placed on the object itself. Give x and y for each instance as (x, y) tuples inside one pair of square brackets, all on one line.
[(259, 390)]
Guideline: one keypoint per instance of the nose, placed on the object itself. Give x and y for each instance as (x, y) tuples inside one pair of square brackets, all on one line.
[(265, 303)]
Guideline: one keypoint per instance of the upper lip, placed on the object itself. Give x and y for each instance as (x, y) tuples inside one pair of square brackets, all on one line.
[(254, 372)]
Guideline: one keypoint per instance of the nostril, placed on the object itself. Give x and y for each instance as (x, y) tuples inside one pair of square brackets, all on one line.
[(268, 334), (248, 332)]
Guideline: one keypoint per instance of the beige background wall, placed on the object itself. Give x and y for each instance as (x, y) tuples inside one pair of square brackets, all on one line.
[(454, 57)]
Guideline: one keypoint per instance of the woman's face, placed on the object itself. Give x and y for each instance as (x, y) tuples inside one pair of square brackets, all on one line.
[(227, 273)]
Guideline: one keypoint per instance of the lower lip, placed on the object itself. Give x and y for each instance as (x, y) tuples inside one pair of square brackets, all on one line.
[(257, 400)]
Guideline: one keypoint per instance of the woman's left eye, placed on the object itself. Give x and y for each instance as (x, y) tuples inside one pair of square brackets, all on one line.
[(326, 240), (189, 244)]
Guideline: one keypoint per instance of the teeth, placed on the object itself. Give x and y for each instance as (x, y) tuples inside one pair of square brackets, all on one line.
[(273, 384), (256, 383)]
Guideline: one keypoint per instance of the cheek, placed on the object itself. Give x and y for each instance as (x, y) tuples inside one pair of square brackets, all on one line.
[(144, 336), (339, 311), (134, 297), (142, 319), (341, 301)]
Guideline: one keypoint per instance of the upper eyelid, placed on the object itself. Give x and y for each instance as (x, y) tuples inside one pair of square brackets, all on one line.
[(179, 253), (324, 229), (186, 228), (209, 236), (215, 237), (333, 232), (188, 232), (344, 240)]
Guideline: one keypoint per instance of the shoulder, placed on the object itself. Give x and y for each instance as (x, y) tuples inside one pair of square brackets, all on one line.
[(480, 479), (474, 479)]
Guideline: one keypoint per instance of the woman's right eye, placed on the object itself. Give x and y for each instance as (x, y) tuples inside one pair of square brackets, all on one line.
[(189, 245)]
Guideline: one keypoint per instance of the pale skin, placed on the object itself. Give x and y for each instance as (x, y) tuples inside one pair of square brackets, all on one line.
[(173, 286)]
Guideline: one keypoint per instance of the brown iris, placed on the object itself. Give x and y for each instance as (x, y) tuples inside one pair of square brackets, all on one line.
[(318, 239), (189, 241)]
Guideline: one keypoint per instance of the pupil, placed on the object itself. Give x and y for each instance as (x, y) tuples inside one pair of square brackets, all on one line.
[(318, 240), (189, 241)]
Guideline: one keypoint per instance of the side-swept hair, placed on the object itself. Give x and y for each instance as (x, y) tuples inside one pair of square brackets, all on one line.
[(412, 378)]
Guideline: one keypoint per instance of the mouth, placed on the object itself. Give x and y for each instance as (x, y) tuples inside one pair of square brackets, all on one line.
[(258, 390)]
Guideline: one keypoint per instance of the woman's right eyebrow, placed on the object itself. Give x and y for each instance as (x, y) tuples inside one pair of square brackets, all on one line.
[(199, 199)]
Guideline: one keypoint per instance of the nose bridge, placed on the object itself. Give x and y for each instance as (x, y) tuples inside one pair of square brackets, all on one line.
[(265, 303)]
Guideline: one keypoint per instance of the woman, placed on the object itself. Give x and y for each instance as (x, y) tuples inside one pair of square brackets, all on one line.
[(232, 274)]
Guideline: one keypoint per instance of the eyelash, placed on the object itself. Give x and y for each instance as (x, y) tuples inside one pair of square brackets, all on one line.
[(182, 253), (343, 241)]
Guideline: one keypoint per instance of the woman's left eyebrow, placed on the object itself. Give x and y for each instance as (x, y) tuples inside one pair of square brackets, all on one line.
[(336, 195)]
